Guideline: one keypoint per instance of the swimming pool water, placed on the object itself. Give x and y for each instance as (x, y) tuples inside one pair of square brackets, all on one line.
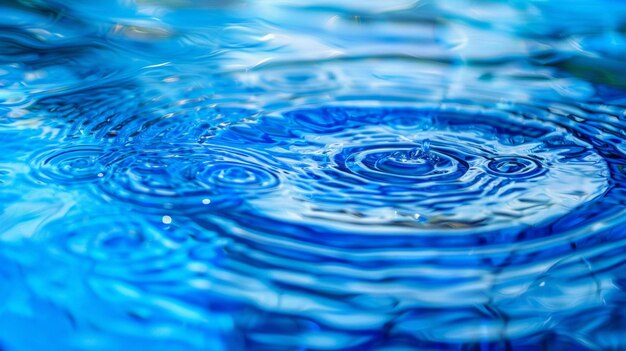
[(321, 175)]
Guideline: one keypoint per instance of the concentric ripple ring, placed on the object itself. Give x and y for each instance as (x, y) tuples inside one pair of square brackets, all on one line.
[(69, 165), (188, 178), (408, 164), (443, 168)]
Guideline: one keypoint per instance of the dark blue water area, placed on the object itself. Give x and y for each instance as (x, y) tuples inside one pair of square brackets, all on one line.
[(324, 175)]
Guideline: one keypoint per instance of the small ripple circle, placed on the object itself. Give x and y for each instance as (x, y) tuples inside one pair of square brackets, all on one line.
[(188, 179), (514, 167), (69, 165), (402, 164)]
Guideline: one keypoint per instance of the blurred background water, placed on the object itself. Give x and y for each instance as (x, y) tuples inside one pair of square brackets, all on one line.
[(312, 175)]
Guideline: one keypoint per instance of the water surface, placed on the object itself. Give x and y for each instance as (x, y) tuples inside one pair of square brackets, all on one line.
[(324, 175)]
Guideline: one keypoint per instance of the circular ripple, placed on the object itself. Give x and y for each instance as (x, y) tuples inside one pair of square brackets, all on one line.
[(121, 244), (236, 175), (428, 168), (188, 179), (69, 165), (402, 164), (511, 166)]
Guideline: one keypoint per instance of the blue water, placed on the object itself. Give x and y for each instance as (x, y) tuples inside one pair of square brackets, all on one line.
[(312, 175)]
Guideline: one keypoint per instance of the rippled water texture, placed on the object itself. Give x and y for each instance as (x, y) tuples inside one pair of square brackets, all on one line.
[(312, 175)]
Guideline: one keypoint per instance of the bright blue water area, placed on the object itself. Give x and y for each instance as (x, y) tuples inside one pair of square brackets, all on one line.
[(312, 175)]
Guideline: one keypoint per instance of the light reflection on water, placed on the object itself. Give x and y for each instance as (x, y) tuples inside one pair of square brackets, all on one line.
[(324, 175)]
